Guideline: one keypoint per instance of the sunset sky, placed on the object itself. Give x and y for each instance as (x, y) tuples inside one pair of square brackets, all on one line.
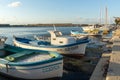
[(57, 11)]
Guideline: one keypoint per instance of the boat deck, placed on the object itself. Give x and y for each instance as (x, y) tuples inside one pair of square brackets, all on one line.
[(15, 54), (38, 57)]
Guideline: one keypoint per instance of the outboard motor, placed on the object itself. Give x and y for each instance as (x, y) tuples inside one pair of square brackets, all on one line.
[(2, 41)]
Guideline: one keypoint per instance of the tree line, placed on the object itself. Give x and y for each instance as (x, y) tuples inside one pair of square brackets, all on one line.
[(45, 25)]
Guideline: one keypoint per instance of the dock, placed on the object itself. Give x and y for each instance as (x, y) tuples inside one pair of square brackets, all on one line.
[(114, 65), (108, 68), (99, 72)]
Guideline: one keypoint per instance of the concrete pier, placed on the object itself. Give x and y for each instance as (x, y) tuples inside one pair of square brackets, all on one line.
[(99, 72), (108, 68), (109, 63), (114, 65)]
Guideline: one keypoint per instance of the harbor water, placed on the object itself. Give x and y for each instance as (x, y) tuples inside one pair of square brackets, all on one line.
[(30, 31)]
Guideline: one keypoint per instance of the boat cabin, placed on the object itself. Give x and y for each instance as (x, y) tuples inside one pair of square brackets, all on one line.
[(58, 39)]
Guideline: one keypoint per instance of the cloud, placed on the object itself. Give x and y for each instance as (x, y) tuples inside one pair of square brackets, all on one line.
[(14, 4)]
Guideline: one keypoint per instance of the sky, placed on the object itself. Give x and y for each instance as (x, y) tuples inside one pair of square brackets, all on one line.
[(58, 11)]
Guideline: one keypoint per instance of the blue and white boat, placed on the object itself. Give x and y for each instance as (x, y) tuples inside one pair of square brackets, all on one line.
[(28, 64), (79, 33), (67, 45)]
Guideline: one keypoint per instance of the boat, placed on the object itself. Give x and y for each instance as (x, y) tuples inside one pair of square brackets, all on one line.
[(78, 32), (106, 28), (88, 28), (94, 32), (67, 45), (20, 63)]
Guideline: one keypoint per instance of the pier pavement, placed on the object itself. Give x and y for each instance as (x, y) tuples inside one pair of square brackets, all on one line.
[(100, 71), (108, 68), (114, 64)]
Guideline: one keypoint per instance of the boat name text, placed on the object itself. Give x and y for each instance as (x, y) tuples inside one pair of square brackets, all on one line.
[(68, 48)]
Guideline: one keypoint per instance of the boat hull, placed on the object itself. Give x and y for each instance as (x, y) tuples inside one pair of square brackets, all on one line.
[(28, 64), (45, 71), (78, 49)]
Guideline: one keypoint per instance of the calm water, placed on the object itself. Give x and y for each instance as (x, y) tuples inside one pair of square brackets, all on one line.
[(30, 32)]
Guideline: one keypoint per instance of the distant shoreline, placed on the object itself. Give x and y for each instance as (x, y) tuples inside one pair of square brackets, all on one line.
[(45, 25)]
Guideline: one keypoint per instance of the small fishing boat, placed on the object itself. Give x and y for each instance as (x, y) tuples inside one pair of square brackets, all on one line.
[(28, 64), (92, 30), (89, 28), (67, 45), (76, 32), (95, 32)]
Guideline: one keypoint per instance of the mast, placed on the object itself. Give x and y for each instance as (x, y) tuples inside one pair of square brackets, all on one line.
[(100, 17), (106, 17)]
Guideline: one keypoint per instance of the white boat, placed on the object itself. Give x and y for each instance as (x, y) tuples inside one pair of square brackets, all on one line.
[(88, 28), (92, 30), (78, 32), (66, 45), (27, 64)]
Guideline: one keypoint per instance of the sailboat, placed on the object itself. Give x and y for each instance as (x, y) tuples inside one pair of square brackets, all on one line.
[(105, 28)]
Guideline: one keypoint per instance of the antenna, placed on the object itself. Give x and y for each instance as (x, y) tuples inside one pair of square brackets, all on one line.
[(54, 27)]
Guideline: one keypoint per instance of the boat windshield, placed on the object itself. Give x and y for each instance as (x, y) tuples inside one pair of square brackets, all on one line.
[(57, 33)]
